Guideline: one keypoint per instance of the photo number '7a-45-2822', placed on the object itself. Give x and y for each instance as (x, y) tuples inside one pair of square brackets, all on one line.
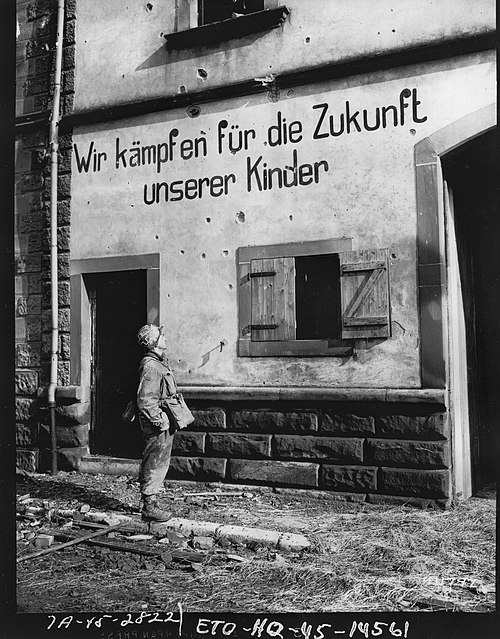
[(139, 626)]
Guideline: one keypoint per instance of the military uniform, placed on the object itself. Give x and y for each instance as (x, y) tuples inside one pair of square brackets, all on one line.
[(155, 383)]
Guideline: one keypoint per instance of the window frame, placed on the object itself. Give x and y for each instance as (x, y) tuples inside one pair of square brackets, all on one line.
[(291, 348)]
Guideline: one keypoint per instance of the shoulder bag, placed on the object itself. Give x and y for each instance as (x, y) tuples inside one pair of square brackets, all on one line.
[(177, 410)]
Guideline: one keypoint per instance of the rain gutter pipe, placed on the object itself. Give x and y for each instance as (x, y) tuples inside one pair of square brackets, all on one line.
[(54, 147)]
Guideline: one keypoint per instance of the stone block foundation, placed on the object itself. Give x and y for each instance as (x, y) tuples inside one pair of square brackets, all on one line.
[(378, 452)]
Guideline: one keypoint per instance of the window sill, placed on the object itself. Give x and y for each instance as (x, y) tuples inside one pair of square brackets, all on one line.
[(227, 29), (296, 348)]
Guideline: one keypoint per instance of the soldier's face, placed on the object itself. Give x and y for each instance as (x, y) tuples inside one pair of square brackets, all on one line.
[(161, 343)]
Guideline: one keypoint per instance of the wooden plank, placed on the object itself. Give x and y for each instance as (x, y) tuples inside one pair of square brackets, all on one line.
[(263, 303), (284, 297), (73, 542), (178, 555), (363, 266), (365, 321)]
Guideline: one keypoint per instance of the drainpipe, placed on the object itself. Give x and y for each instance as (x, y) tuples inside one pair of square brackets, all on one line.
[(53, 142)]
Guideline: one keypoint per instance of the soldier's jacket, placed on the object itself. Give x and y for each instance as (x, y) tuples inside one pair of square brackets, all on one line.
[(156, 381)]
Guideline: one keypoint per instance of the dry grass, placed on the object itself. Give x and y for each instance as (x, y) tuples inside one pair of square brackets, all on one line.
[(364, 558)]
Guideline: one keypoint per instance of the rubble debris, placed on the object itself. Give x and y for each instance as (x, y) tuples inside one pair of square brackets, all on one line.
[(73, 542), (175, 537), (179, 555), (204, 543), (238, 558), (44, 541)]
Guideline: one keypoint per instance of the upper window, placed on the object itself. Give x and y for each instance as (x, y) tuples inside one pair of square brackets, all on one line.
[(217, 10), (311, 298)]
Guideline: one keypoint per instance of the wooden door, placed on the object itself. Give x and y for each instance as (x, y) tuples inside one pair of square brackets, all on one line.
[(471, 173), (457, 360)]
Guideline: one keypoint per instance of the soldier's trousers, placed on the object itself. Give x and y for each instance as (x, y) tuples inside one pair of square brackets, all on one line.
[(155, 459)]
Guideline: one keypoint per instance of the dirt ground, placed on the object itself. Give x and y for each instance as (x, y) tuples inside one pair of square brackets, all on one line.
[(362, 557)]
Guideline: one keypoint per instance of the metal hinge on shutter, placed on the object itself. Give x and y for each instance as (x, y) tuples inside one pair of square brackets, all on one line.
[(262, 274)]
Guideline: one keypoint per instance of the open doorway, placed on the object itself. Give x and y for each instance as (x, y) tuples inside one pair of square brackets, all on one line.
[(118, 308), (472, 203)]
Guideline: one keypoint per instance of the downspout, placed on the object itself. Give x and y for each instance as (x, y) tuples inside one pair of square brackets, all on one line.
[(54, 147)]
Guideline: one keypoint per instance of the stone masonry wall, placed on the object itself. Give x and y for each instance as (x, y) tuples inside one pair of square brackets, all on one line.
[(365, 452), (35, 62)]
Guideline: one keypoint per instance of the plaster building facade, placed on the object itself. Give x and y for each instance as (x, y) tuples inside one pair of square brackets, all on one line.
[(302, 194)]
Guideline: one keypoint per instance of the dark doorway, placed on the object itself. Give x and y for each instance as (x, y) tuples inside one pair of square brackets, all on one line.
[(471, 172), (118, 310)]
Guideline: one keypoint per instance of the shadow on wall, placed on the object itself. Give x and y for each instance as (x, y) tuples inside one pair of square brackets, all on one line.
[(163, 56)]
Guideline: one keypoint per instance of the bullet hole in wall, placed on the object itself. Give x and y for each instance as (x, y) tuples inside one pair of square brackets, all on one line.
[(149, 7), (202, 74), (225, 253), (290, 217), (208, 219), (394, 30), (240, 217), (203, 256), (230, 287), (393, 256), (182, 89), (181, 252), (307, 40), (157, 237), (193, 111), (413, 132)]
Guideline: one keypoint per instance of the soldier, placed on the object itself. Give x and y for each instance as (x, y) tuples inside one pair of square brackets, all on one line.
[(155, 382)]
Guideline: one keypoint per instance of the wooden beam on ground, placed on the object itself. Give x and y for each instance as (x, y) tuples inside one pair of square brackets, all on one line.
[(73, 542)]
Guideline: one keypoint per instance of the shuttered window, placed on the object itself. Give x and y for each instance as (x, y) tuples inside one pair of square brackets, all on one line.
[(313, 302), (365, 294), (273, 299)]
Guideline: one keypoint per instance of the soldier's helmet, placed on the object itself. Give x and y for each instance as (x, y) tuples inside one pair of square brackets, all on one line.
[(149, 335)]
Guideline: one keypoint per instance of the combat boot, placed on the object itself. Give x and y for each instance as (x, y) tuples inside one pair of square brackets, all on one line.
[(151, 510)]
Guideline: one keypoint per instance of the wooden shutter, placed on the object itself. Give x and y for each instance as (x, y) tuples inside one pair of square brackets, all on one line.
[(364, 279), (272, 299)]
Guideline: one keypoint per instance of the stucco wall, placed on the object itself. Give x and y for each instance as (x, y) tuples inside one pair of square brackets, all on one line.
[(368, 193), (122, 56)]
